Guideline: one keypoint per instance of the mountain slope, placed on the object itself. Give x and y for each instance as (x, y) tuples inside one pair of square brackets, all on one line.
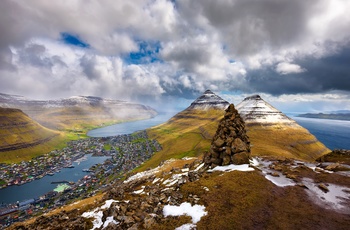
[(274, 134), (189, 132), (79, 112), (21, 138)]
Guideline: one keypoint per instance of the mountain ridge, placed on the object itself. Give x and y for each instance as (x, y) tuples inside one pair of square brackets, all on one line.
[(78, 112), (21, 138)]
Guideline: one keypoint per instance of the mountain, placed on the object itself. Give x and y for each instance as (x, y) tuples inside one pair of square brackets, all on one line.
[(77, 112), (21, 138), (189, 132), (209, 100), (273, 133)]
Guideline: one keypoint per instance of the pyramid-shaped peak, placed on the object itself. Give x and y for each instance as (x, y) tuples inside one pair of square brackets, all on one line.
[(254, 97), (254, 109), (209, 100)]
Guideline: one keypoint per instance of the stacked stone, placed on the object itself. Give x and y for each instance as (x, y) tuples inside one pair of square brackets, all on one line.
[(230, 144)]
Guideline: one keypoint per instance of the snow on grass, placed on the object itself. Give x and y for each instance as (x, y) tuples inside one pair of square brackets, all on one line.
[(97, 214), (280, 181), (139, 191), (142, 175), (229, 168), (196, 212), (156, 180), (108, 203), (147, 173), (174, 179), (186, 227), (109, 219), (254, 162), (337, 197), (199, 167)]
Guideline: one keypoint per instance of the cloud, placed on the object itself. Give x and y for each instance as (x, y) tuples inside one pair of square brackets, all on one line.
[(287, 68), (155, 48)]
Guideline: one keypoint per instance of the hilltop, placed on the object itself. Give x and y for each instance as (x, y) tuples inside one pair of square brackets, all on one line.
[(21, 138), (272, 133)]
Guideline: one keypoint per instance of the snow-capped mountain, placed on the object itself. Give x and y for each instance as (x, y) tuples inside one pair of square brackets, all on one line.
[(209, 100), (273, 133), (254, 109)]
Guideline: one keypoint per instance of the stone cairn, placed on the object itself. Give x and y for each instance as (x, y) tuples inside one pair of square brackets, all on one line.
[(230, 144)]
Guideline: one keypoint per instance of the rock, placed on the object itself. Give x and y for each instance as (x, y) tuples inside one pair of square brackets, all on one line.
[(275, 174), (148, 222), (323, 187), (240, 158), (230, 144), (332, 167), (219, 142)]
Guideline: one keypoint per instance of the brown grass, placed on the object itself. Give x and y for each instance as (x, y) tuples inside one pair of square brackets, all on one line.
[(187, 134), (21, 138), (291, 142), (246, 200)]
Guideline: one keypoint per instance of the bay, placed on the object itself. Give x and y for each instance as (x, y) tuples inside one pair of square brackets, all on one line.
[(335, 134), (37, 188), (130, 127)]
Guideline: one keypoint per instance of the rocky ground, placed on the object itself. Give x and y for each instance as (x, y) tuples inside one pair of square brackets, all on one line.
[(255, 194)]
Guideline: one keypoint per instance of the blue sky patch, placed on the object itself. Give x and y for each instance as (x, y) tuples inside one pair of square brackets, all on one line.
[(73, 40), (147, 53)]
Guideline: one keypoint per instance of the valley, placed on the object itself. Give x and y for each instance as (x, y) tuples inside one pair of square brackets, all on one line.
[(36, 127)]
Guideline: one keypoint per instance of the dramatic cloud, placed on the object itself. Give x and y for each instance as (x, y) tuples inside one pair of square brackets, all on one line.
[(152, 49)]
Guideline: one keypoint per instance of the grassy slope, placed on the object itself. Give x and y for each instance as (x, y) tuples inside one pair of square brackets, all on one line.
[(289, 142), (246, 200), (18, 130), (189, 133)]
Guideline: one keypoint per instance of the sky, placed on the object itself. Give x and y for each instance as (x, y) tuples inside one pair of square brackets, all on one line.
[(295, 54)]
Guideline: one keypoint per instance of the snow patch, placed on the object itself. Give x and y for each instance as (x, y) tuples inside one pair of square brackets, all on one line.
[(156, 180), (280, 181), (142, 175), (97, 214), (108, 203), (229, 168), (196, 212), (109, 219), (337, 197), (186, 227), (174, 179), (139, 191), (199, 167)]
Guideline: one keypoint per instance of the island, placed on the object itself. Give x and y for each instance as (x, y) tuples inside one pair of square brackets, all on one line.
[(332, 116)]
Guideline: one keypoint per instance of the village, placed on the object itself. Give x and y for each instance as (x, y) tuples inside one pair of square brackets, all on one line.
[(125, 153)]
